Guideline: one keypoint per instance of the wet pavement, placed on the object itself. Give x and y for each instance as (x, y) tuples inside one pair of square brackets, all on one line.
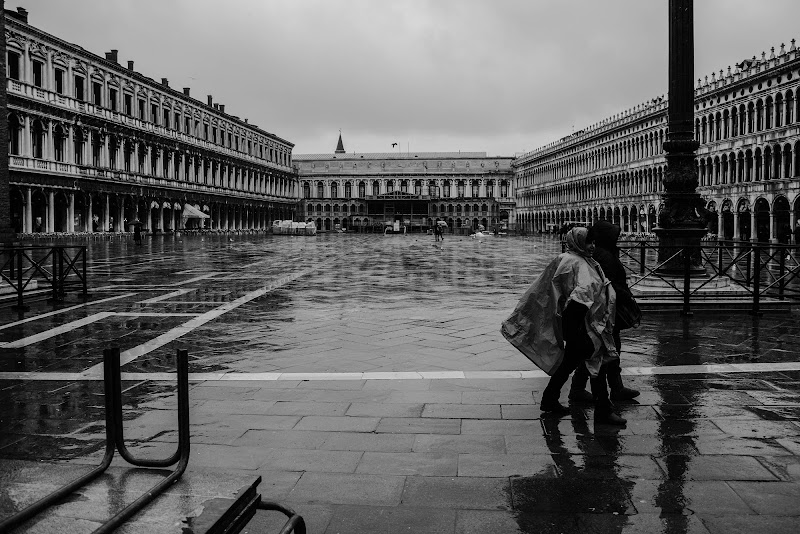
[(366, 380)]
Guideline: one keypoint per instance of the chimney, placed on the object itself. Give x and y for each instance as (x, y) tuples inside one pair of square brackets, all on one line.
[(222, 108), (165, 82), (112, 56), (210, 101), (23, 14), (245, 121), (130, 65), (186, 91), (216, 106)]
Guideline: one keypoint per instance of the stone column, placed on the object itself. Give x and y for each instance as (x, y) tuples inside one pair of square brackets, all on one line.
[(71, 214), (106, 214), (736, 216), (679, 225), (720, 225), (772, 232), (28, 210), (51, 212), (89, 216), (753, 226)]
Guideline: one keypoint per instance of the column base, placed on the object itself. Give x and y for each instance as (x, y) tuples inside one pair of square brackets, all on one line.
[(670, 240)]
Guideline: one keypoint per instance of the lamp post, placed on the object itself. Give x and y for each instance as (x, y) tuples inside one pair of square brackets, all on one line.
[(679, 225)]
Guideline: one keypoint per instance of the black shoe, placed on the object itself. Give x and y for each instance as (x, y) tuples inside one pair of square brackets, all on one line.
[(580, 396), (609, 418), (624, 394), (554, 407)]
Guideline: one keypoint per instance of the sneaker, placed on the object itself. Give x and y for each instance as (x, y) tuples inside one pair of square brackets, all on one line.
[(580, 396), (554, 407), (624, 394)]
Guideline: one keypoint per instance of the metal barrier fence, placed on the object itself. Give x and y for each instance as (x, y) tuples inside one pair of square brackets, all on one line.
[(62, 267), (115, 441), (233, 519), (751, 272)]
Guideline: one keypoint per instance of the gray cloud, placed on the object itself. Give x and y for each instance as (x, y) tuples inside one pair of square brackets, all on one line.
[(501, 76)]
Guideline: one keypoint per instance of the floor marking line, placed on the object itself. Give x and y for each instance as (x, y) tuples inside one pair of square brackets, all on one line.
[(71, 308), (53, 332), (722, 369), (176, 293), (181, 330)]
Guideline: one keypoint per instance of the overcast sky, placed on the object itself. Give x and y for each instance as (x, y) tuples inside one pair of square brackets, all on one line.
[(500, 76)]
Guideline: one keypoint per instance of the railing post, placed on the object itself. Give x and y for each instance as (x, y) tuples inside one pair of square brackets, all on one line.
[(687, 265), (20, 302), (781, 271), (756, 280), (85, 290), (720, 248), (642, 251), (54, 274), (749, 261), (62, 282)]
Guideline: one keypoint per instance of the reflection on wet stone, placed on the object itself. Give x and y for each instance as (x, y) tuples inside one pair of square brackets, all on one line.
[(474, 454)]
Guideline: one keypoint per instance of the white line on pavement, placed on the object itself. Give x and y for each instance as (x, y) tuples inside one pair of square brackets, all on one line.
[(181, 330), (48, 314), (723, 369)]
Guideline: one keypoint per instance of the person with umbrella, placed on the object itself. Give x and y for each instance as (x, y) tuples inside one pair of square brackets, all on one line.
[(438, 230)]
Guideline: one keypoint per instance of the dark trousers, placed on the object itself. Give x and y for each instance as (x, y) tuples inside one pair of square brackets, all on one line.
[(574, 360), (613, 372)]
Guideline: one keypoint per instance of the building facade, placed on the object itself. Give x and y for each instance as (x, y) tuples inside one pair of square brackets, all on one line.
[(96, 146), (367, 192), (747, 121)]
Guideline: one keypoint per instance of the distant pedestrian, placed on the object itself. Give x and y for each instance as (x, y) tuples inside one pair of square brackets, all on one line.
[(137, 234), (785, 235), (797, 234), (572, 303)]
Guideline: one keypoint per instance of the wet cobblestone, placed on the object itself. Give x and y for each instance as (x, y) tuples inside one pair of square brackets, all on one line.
[(704, 451)]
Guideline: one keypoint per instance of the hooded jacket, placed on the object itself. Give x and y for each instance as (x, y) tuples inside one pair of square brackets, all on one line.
[(606, 253)]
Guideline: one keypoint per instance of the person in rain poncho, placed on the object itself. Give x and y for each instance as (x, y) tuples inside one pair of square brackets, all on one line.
[(571, 303), (628, 315)]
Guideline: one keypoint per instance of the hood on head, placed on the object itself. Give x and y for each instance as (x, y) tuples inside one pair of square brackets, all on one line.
[(604, 234)]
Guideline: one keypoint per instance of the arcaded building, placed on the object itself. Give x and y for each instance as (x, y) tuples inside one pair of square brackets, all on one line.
[(747, 120), (366, 192), (96, 146)]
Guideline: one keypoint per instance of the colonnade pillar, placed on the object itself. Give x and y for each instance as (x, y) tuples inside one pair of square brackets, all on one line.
[(51, 212), (28, 210), (71, 214)]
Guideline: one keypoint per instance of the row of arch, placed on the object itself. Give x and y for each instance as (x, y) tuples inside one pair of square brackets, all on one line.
[(775, 161), (763, 113), (40, 209), (447, 188), (755, 219)]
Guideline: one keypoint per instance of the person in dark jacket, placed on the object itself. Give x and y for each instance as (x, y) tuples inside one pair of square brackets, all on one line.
[(605, 236)]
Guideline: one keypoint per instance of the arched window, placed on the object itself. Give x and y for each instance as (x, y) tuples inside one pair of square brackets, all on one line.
[(778, 110), (320, 190), (306, 190), (334, 190), (348, 190), (376, 188), (14, 135), (362, 189), (37, 139)]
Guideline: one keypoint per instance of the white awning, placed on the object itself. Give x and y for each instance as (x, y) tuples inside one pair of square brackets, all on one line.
[(190, 212)]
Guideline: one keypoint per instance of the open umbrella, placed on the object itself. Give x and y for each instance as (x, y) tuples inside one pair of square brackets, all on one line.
[(443, 224)]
